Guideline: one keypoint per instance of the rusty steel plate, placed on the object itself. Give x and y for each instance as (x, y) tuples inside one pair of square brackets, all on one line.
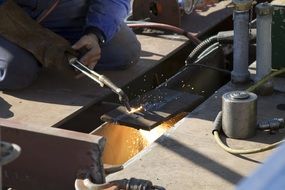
[(157, 106), (51, 158)]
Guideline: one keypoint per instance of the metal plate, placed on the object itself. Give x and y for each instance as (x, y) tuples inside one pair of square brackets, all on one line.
[(51, 158), (157, 106), (62, 97)]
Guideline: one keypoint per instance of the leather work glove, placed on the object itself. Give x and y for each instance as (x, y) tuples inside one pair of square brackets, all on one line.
[(18, 27), (90, 43)]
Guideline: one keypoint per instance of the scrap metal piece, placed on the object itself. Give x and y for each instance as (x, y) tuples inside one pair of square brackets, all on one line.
[(157, 106), (8, 152), (272, 124), (123, 184)]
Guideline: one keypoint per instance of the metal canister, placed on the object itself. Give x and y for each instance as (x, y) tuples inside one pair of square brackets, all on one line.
[(239, 114)]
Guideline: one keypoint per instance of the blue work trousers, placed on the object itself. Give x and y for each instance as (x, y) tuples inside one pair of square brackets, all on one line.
[(18, 68)]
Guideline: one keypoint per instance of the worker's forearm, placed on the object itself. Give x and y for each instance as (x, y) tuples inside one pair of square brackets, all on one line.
[(107, 16), (18, 27)]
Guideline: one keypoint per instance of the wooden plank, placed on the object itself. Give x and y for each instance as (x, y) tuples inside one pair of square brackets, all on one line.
[(51, 158), (58, 96)]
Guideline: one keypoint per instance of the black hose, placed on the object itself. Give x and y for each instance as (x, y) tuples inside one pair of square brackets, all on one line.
[(135, 184), (207, 51), (200, 48), (223, 37)]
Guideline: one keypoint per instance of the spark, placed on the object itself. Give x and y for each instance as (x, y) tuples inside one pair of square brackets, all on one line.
[(133, 110)]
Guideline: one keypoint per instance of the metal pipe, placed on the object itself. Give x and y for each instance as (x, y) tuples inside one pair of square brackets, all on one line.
[(263, 45), (240, 73)]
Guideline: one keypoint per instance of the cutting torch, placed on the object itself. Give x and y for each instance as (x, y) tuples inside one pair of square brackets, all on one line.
[(101, 80)]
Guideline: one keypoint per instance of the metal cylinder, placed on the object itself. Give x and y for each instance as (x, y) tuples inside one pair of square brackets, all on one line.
[(240, 73), (239, 114), (263, 44)]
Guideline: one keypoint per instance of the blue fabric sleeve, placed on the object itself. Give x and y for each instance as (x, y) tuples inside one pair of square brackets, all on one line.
[(107, 15)]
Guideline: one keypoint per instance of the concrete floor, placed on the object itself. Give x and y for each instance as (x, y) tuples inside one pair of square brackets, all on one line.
[(187, 157)]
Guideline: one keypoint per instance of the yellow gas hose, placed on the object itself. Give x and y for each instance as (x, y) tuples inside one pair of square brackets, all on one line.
[(245, 151), (218, 123), (265, 79)]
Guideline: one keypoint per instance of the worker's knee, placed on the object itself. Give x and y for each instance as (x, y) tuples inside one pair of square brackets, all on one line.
[(121, 52), (18, 68), (128, 56), (14, 78)]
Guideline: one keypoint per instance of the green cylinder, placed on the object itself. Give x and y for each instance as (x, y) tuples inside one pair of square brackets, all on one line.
[(278, 35)]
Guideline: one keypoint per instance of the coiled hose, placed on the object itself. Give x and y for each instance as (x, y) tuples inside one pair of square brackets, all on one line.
[(218, 123)]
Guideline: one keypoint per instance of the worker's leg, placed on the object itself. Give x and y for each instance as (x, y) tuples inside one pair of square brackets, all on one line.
[(121, 52), (18, 68)]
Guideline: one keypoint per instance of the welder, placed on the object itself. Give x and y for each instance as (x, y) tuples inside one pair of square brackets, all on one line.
[(96, 26)]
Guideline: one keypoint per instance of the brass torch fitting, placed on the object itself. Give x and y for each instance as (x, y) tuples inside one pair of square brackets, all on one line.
[(242, 5)]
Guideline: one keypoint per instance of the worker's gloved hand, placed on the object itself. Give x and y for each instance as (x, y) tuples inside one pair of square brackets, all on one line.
[(92, 54), (18, 27)]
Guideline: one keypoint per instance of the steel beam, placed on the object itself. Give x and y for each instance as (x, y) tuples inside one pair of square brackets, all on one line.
[(51, 158)]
